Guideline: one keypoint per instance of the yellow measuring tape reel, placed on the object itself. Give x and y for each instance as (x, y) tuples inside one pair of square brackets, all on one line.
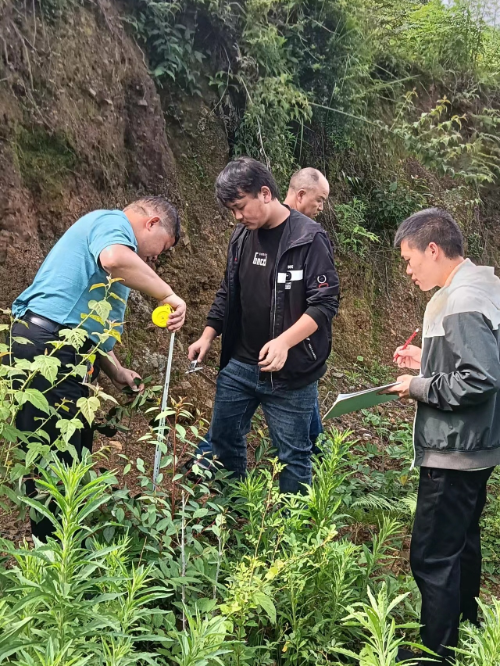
[(161, 315)]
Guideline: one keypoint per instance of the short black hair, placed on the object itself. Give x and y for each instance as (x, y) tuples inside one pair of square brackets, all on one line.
[(243, 176), (166, 211), (432, 225)]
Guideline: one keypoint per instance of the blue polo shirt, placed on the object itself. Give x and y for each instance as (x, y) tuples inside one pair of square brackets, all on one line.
[(61, 288)]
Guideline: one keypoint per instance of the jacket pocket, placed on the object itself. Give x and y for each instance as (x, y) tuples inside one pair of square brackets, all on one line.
[(310, 349)]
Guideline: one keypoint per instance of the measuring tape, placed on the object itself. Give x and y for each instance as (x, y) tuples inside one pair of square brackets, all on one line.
[(161, 315), (160, 318)]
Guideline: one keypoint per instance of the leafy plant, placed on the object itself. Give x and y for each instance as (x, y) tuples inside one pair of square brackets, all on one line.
[(482, 646), (15, 391), (73, 600), (439, 140), (381, 642), (170, 42), (352, 234)]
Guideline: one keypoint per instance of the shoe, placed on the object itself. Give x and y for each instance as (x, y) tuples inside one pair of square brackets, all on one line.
[(203, 463), (404, 655)]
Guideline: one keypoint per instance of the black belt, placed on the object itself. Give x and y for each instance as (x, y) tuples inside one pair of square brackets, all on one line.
[(47, 324), (53, 327)]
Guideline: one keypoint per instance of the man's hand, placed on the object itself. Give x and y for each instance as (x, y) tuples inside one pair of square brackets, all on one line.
[(409, 357), (120, 376), (403, 387), (176, 319), (273, 355), (198, 350), (123, 377)]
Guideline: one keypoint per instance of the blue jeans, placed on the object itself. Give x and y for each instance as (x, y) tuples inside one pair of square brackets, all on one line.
[(204, 448), (288, 413), (316, 429)]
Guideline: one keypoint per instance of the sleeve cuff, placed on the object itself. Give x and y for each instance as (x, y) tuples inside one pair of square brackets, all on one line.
[(419, 388), (216, 324), (317, 314)]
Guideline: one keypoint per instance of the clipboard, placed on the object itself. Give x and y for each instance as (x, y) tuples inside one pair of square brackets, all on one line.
[(354, 402)]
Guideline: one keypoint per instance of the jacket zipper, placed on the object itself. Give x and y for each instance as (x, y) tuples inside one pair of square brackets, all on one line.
[(424, 330), (276, 268), (309, 346), (413, 441)]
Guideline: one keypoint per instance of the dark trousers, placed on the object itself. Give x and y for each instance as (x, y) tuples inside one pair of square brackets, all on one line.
[(29, 418), (445, 552)]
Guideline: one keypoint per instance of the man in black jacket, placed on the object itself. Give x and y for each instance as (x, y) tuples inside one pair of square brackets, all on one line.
[(457, 425), (274, 309)]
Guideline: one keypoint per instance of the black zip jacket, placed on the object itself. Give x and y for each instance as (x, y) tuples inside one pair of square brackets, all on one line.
[(305, 281)]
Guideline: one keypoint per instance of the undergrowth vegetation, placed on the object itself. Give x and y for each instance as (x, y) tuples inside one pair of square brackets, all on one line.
[(207, 570)]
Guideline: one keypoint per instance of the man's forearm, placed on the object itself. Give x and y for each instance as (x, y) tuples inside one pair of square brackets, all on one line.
[(121, 262), (109, 364), (209, 334), (301, 330)]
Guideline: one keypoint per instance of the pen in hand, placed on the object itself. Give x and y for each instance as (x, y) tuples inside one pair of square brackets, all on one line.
[(408, 342)]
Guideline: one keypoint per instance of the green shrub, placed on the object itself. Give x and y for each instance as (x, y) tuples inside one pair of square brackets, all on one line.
[(330, 83), (481, 646), (352, 234), (16, 377), (392, 204)]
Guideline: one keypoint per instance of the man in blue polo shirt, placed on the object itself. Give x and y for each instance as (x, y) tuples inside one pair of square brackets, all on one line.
[(101, 243)]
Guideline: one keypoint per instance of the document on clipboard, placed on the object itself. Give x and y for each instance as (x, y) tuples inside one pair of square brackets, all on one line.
[(353, 402)]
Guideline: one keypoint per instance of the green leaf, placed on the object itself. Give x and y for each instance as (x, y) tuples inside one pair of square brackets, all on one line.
[(181, 431), (117, 298), (116, 335), (79, 370), (74, 336), (35, 397), (94, 317), (11, 434), (47, 366), (266, 604), (88, 407), (101, 308), (68, 427), (22, 341), (41, 508), (34, 450), (108, 533), (22, 364), (200, 513)]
